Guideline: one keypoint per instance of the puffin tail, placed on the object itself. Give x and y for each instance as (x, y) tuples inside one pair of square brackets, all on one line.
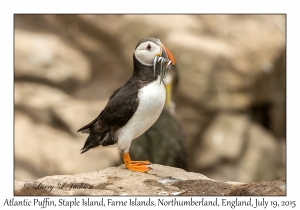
[(98, 139), (83, 150)]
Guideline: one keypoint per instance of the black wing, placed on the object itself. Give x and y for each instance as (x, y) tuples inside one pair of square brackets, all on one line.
[(120, 108), (86, 128)]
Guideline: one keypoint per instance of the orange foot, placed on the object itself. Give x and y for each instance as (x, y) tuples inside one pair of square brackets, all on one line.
[(135, 165), (140, 162)]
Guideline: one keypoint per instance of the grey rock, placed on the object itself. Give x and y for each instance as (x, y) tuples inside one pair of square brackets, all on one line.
[(224, 139), (119, 181), (261, 156), (42, 150), (161, 181), (235, 148), (47, 58), (38, 96)]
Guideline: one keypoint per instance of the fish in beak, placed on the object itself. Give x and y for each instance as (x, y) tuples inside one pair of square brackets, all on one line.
[(166, 59)]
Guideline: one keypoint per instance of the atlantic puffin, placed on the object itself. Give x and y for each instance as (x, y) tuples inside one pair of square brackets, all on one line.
[(134, 107)]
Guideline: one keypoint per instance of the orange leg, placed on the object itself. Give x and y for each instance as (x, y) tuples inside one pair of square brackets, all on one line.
[(135, 165)]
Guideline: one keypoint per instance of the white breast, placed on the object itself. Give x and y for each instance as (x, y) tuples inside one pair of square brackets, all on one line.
[(151, 102)]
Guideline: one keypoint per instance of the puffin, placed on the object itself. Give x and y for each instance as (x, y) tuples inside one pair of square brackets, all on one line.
[(134, 107)]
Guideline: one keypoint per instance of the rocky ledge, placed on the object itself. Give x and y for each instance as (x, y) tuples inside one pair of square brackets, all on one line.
[(161, 181)]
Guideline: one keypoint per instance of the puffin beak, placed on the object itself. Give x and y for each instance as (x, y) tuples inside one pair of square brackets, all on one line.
[(166, 59), (170, 56)]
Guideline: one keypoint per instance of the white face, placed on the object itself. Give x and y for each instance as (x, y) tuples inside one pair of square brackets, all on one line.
[(146, 52)]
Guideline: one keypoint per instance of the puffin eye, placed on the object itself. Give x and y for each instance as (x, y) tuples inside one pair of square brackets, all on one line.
[(148, 47)]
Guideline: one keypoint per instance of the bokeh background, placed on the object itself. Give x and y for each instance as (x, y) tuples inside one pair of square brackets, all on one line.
[(230, 101)]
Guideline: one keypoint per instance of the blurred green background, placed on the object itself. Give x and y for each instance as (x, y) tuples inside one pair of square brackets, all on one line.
[(230, 102)]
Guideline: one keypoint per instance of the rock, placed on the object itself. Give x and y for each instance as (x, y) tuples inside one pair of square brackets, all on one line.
[(281, 171), (222, 140), (234, 148), (219, 61), (269, 97), (261, 157), (30, 191), (38, 96), (54, 107), (46, 124), (274, 188), (46, 58), (162, 180), (77, 113), (55, 151)]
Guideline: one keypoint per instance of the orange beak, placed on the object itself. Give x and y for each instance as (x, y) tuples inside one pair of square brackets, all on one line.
[(170, 56)]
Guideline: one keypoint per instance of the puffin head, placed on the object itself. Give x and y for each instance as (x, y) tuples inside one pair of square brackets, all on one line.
[(148, 48), (150, 52)]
